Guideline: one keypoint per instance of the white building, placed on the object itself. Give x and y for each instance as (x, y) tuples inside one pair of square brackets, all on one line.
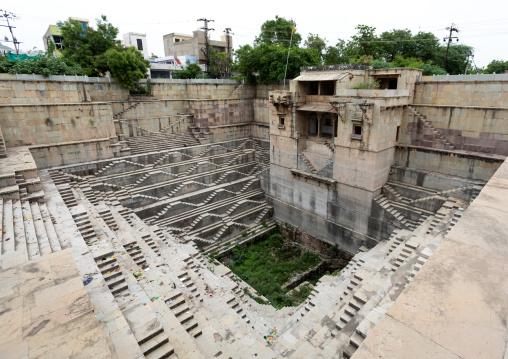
[(138, 41)]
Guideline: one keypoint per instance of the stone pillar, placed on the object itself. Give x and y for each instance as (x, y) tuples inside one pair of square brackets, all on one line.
[(334, 122), (319, 117), (319, 89)]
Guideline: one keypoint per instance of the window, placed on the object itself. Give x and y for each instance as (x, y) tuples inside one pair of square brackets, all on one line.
[(281, 120), (357, 130), (397, 135), (58, 42), (140, 44)]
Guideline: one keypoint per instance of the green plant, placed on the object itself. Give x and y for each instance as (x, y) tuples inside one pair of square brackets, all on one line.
[(263, 224), (371, 85), (269, 263)]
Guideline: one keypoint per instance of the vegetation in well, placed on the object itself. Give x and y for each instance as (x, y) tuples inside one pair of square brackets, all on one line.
[(269, 263)]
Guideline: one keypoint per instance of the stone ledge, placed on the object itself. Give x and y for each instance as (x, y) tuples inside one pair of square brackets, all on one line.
[(456, 106), (58, 144), (461, 153), (300, 173)]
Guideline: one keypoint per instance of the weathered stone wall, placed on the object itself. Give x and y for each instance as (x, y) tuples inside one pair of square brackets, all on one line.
[(476, 129), (45, 92), (53, 123), (221, 112), (72, 152), (491, 93), (449, 163)]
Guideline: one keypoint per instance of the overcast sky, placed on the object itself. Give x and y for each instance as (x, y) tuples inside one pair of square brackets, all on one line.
[(482, 24)]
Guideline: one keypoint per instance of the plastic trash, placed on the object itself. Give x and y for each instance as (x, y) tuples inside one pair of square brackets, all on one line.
[(88, 280)]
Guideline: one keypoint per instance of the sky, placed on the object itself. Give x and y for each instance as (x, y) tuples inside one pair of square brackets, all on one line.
[(483, 25)]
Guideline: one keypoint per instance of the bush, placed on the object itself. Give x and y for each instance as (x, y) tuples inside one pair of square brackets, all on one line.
[(43, 65), (371, 85)]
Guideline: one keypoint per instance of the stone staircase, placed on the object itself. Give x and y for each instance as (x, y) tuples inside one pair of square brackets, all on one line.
[(121, 113), (439, 141), (158, 141), (3, 148), (309, 167), (85, 227)]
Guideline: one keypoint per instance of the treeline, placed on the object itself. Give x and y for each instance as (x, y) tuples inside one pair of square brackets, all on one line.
[(265, 60), (91, 52)]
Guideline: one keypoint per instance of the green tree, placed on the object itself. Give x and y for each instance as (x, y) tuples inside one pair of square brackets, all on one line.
[(457, 58), (496, 66), (267, 63), (84, 47), (365, 42), (126, 65), (317, 43), (51, 48), (398, 42), (337, 54), (191, 71), (278, 31), (5, 65), (425, 46), (220, 63)]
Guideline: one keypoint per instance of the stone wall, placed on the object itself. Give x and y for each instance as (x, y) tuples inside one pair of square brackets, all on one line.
[(68, 153), (220, 112), (45, 92), (476, 129), (473, 167), (491, 93), (43, 124)]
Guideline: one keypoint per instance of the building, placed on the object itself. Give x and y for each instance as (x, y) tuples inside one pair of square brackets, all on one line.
[(54, 34), (137, 40), (178, 45)]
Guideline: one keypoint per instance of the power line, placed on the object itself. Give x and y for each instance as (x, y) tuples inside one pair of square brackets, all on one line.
[(207, 41)]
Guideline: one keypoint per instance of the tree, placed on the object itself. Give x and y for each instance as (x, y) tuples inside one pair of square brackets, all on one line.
[(317, 43), (365, 41), (51, 48), (266, 63), (496, 66), (278, 31), (337, 54), (426, 46), (84, 47), (126, 65), (457, 58), (220, 63), (191, 71), (398, 42)]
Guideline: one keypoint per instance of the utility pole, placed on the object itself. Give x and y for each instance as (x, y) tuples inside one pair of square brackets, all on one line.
[(207, 41), (228, 32), (449, 38), (9, 15)]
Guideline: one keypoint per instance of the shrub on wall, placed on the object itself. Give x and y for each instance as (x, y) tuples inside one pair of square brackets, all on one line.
[(42, 65)]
